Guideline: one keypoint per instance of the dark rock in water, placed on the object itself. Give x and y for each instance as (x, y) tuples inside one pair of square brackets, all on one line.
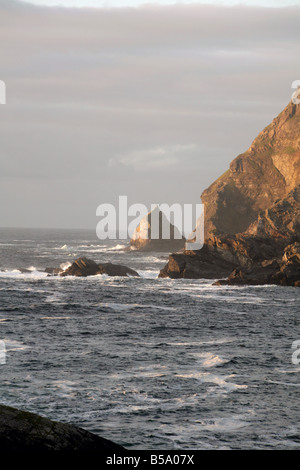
[(53, 270), (259, 275), (203, 264), (242, 260), (220, 256), (144, 240), (116, 270), (24, 270), (83, 267), (23, 431)]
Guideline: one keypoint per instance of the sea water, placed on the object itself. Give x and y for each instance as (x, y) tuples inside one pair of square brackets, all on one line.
[(149, 363)]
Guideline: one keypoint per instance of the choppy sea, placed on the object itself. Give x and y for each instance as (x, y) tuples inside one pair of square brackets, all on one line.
[(146, 362)]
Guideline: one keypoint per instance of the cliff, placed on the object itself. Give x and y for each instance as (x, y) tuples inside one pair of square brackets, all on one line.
[(267, 172), (252, 214)]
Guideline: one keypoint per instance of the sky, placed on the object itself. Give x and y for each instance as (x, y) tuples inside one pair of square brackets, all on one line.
[(150, 102), (136, 3)]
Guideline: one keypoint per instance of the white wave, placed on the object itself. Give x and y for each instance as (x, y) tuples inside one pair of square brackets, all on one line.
[(118, 306), (91, 246), (114, 305), (15, 273), (208, 359), (118, 247), (64, 247), (110, 249), (55, 298), (290, 384), (219, 380), (65, 388), (289, 371), (148, 274), (32, 268), (227, 424), (91, 249), (143, 371), (159, 307), (155, 259), (65, 265), (200, 343)]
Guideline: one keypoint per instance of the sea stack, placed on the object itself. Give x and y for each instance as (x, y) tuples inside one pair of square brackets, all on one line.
[(156, 233)]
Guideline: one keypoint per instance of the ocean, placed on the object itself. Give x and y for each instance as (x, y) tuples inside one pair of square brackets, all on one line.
[(146, 362)]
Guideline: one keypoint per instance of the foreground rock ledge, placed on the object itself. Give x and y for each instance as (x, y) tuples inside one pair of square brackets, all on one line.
[(23, 431)]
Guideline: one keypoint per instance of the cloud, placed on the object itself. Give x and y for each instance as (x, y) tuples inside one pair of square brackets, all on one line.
[(154, 159)]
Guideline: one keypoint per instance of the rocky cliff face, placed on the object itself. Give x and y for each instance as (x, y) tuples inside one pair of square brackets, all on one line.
[(281, 220), (252, 214), (267, 172)]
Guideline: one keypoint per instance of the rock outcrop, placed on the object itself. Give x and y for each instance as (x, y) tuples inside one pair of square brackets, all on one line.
[(221, 255), (22, 431), (194, 265), (116, 270), (83, 267), (166, 238), (252, 214), (284, 271)]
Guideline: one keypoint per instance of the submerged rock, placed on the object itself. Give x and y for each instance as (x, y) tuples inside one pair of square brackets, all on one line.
[(53, 270), (24, 270), (23, 431)]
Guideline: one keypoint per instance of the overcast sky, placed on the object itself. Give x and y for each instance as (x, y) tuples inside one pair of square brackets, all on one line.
[(150, 102)]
